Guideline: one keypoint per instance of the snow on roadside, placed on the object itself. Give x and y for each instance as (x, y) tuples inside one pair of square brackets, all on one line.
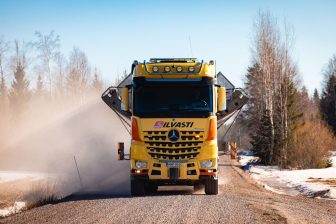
[(17, 186), (245, 160), (310, 182), (17, 207), (333, 158)]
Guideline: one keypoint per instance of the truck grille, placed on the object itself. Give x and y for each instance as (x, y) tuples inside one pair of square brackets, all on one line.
[(187, 147)]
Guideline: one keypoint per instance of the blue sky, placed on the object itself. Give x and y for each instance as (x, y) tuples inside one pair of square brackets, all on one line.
[(114, 33)]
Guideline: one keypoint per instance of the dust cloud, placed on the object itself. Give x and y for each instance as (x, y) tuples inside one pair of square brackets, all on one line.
[(90, 135)]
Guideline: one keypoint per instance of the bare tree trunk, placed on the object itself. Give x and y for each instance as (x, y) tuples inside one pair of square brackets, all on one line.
[(271, 53)]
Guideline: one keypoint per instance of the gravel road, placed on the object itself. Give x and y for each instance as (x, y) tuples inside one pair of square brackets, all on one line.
[(240, 200)]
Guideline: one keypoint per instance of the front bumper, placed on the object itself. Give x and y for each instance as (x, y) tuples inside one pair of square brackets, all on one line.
[(190, 171)]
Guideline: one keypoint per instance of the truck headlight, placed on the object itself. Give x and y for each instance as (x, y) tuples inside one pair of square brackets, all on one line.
[(140, 164), (206, 164), (167, 69), (179, 69), (191, 69)]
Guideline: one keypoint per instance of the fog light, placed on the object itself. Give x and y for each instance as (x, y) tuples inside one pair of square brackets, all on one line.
[(179, 69), (167, 69), (191, 69), (140, 164), (206, 164), (155, 69)]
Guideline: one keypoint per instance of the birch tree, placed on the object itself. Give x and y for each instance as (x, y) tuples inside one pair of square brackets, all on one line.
[(97, 83), (47, 46), (271, 81), (78, 75), (60, 77)]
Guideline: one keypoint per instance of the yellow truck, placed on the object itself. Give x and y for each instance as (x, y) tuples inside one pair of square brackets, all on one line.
[(173, 107)]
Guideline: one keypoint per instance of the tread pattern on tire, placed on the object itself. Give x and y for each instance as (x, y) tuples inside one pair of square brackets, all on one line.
[(137, 187), (211, 186)]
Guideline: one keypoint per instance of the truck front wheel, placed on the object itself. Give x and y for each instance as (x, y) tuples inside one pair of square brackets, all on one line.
[(151, 188), (211, 186), (137, 187)]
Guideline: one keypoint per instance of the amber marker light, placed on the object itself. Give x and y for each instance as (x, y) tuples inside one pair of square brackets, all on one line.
[(135, 130), (212, 130)]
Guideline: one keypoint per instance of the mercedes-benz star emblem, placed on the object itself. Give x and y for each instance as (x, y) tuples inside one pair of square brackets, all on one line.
[(173, 135)]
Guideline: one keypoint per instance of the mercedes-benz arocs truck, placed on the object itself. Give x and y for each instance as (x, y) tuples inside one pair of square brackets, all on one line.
[(173, 105)]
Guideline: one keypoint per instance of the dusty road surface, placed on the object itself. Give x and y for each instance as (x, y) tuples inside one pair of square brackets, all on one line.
[(240, 200)]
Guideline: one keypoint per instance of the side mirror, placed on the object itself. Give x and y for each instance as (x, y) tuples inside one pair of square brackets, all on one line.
[(124, 99), (221, 99), (121, 153)]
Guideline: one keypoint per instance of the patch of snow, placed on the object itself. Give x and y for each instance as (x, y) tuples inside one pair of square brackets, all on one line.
[(333, 158), (299, 179), (245, 160), (273, 189), (310, 182), (17, 207)]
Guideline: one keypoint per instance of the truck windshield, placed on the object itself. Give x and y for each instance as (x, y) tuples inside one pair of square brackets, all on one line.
[(173, 101)]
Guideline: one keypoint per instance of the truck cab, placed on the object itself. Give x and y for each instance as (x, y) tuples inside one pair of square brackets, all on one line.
[(173, 104)]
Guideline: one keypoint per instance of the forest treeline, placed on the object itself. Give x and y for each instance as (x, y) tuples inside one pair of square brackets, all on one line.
[(282, 124), (38, 69), (38, 82)]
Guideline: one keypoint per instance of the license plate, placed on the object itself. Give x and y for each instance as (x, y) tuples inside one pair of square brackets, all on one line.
[(173, 164)]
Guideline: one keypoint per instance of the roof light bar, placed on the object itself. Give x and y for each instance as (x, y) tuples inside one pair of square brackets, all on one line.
[(157, 60), (191, 69)]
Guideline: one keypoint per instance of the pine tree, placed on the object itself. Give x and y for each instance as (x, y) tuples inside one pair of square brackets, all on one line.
[(316, 96), (4, 115), (258, 117), (97, 84), (3, 91), (316, 101), (40, 91), (262, 138), (3, 87), (294, 114), (19, 94), (328, 102)]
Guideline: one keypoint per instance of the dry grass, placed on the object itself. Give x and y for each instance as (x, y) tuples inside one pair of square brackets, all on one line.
[(33, 193), (314, 141), (12, 191), (41, 193), (330, 182)]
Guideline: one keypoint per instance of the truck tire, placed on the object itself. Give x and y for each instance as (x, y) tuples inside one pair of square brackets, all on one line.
[(137, 187), (211, 186), (151, 188)]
